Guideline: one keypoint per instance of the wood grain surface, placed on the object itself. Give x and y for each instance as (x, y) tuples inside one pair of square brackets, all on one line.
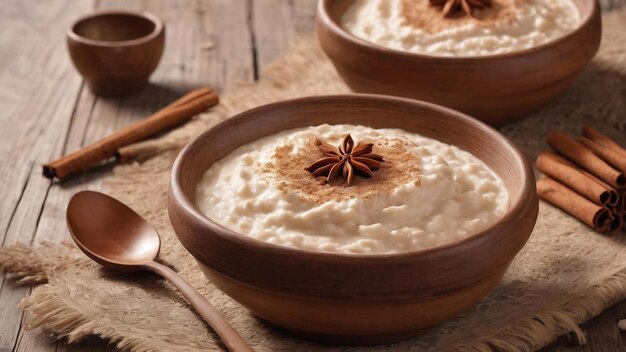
[(46, 111)]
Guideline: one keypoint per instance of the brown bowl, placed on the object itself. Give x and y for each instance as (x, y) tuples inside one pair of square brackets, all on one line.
[(116, 51), (496, 89), (344, 298)]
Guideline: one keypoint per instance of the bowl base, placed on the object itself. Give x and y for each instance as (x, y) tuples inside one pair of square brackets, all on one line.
[(350, 322), (346, 340)]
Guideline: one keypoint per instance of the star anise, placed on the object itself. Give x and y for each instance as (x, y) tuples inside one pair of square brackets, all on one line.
[(345, 159), (451, 6)]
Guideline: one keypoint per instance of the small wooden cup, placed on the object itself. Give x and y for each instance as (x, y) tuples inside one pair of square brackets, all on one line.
[(116, 51)]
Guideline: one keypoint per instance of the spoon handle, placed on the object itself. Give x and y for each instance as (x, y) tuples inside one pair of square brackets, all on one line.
[(212, 316)]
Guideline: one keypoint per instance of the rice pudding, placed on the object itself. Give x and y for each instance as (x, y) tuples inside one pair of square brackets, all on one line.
[(417, 26), (425, 194)]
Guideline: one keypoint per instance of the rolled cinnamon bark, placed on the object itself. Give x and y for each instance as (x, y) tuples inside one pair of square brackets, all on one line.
[(172, 115), (586, 158), (603, 140), (568, 174), (607, 154), (614, 198), (593, 215), (200, 93)]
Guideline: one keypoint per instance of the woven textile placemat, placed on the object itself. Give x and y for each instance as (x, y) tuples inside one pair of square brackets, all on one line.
[(564, 275)]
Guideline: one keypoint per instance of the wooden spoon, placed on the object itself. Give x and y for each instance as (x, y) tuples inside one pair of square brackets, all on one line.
[(116, 237)]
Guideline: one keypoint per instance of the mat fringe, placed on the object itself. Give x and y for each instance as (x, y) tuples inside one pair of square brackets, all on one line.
[(53, 313), (27, 266), (539, 330)]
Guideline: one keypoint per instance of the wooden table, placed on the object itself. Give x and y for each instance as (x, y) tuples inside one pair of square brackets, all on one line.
[(47, 111)]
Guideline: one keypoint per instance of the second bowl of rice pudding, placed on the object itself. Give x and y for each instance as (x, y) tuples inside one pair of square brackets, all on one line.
[(354, 219), (505, 60)]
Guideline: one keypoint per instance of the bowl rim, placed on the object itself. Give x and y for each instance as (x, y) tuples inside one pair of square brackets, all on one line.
[(191, 211), (324, 17), (156, 31)]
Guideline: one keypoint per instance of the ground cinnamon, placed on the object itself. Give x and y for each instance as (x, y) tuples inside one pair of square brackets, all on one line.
[(586, 158), (286, 171), (593, 215), (566, 173), (172, 115)]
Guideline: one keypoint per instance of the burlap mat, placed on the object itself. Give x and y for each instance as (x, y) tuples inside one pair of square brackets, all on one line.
[(565, 274)]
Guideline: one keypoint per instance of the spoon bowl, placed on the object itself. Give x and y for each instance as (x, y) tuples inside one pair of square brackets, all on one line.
[(110, 232)]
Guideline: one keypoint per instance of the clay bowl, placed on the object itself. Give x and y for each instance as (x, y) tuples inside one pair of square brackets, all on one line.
[(116, 51), (342, 298), (496, 89)]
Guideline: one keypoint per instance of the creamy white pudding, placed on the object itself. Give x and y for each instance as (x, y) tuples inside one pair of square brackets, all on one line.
[(416, 26), (425, 194)]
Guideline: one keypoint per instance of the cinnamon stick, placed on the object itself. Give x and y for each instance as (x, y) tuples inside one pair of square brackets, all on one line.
[(172, 115), (593, 215), (609, 155), (568, 174), (586, 158), (143, 151), (614, 198), (603, 140)]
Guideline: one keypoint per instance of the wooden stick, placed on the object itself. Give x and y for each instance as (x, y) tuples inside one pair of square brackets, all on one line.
[(609, 155), (586, 158), (568, 174), (172, 115), (593, 215), (603, 140)]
